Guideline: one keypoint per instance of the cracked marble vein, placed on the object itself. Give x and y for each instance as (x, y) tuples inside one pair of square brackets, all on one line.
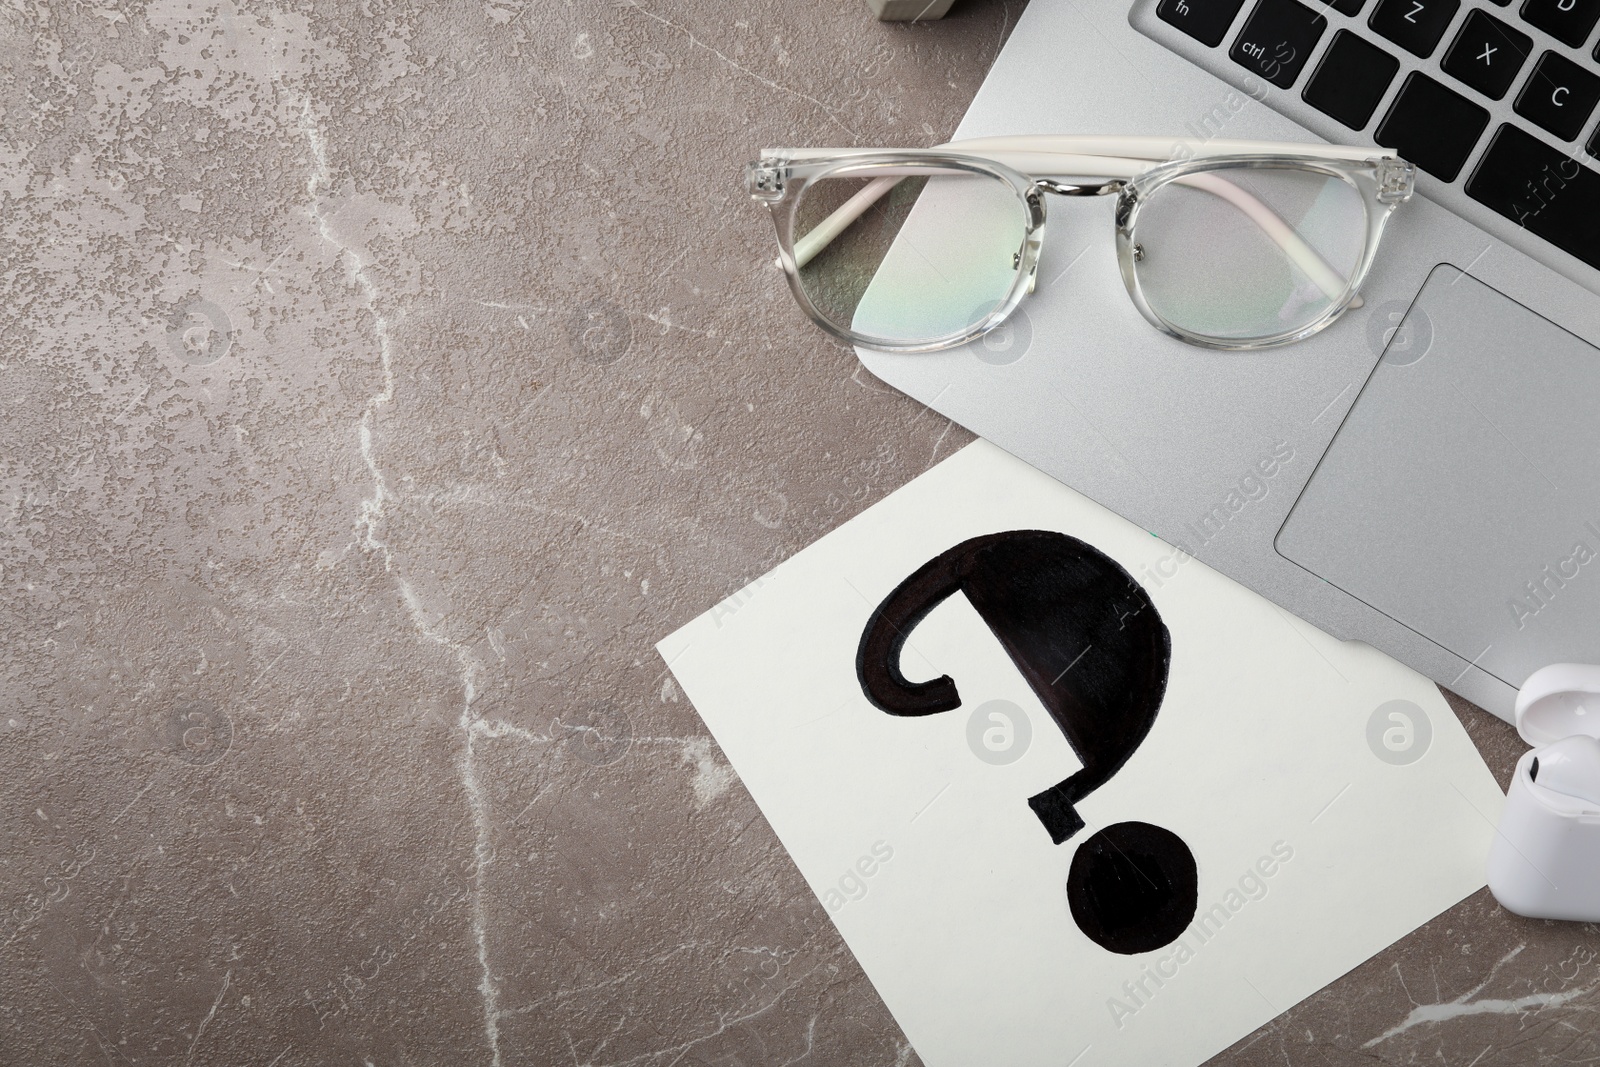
[(1468, 1003), (372, 514)]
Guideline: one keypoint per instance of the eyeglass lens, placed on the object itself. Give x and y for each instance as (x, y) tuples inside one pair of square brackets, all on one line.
[(1248, 254), (908, 258)]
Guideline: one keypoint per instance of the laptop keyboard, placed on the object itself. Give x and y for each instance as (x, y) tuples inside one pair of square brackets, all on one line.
[(1343, 58)]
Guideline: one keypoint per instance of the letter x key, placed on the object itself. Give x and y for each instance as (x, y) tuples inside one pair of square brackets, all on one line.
[(1487, 54)]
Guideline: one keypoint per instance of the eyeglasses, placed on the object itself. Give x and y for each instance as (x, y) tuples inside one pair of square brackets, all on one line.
[(1248, 244)]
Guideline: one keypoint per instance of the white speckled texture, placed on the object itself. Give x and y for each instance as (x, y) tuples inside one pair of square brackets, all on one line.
[(377, 383)]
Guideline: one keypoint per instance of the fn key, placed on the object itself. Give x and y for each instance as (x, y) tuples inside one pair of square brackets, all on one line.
[(1207, 21)]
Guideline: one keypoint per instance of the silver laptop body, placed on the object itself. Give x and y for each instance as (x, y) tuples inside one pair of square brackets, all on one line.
[(1424, 475)]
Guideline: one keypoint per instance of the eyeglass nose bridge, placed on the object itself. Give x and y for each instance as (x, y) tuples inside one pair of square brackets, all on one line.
[(1109, 187), (1060, 188)]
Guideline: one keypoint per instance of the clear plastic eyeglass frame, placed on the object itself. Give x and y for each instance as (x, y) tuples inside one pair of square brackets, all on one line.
[(1131, 168)]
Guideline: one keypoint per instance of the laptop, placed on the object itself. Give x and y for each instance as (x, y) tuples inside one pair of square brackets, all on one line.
[(1424, 475)]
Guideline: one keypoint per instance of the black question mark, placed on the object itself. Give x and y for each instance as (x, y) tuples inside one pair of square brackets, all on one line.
[(1094, 650)]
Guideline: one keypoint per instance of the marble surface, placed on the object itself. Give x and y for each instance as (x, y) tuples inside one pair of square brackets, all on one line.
[(378, 383)]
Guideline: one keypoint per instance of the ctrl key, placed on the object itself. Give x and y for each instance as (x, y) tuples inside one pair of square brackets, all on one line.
[(1544, 191), (1277, 39)]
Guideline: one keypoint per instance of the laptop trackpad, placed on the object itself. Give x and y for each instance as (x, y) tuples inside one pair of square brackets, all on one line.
[(1461, 497)]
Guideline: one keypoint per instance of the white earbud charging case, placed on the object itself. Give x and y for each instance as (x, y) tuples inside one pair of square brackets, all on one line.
[(1545, 860)]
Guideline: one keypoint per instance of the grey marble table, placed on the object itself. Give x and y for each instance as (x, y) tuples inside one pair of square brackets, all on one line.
[(378, 383)]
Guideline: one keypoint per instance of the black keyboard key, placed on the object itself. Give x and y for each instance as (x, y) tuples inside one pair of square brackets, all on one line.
[(1415, 25), (1487, 54), (1432, 126), (1559, 95), (1277, 39), (1350, 79), (1568, 21), (1344, 7), (1542, 190), (1207, 21), (1593, 147)]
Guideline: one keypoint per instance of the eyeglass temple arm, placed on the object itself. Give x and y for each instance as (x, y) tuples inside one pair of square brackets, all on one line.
[(1150, 149), (1040, 158)]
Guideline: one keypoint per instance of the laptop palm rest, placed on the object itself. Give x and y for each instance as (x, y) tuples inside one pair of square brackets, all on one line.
[(1461, 497)]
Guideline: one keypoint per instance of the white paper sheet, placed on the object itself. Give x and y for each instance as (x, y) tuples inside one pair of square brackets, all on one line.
[(1325, 821)]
